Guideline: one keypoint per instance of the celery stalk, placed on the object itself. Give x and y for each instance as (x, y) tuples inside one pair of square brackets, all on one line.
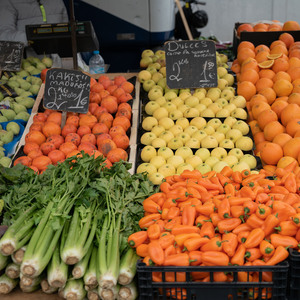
[(128, 267), (26, 281), (93, 295), (90, 276), (12, 270), (4, 260), (46, 288), (17, 256), (109, 293), (74, 289), (7, 284), (128, 292), (80, 268)]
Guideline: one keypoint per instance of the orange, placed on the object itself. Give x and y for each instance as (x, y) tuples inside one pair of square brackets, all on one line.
[(294, 53), (266, 73), (246, 89), (261, 56), (294, 62), (55, 117), (266, 64), (30, 146), (263, 83), (245, 44), (266, 117), (249, 63), (290, 26), (278, 106), (280, 64), (90, 121), (287, 38), (56, 156), (271, 153), (285, 161), (73, 138), (259, 137), (292, 148), (276, 43), (254, 127), (292, 126), (272, 129), (261, 48), (274, 55), (257, 98), (262, 27), (245, 53), (297, 134), (35, 137), (106, 145), (258, 108), (56, 139), (292, 111), (41, 162), (282, 87), (269, 93), (249, 75), (67, 147), (259, 147), (275, 27), (281, 139), (83, 129), (294, 72), (282, 75), (122, 141), (235, 68), (24, 160), (116, 155), (279, 49), (294, 98)]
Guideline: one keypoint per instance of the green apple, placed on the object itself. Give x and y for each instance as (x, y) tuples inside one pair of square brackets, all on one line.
[(183, 136), (215, 123), (221, 71), (147, 138), (203, 90), (224, 128), (170, 107), (219, 166), (219, 152), (191, 101), (244, 143), (152, 70), (203, 168), (184, 152), (163, 70), (156, 76), (208, 129), (183, 108), (151, 107), (166, 122), (160, 52), (211, 161), (230, 121), (157, 130), (250, 160), (155, 64), (239, 101), (227, 144), (230, 107), (190, 130), (194, 160), (157, 161), (199, 135), (175, 114), (162, 82), (156, 178), (176, 129), (242, 126), (170, 95), (177, 101), (227, 94), (200, 95), (161, 101), (222, 84), (155, 94), (223, 113), (165, 152), (192, 143), (224, 58), (147, 52), (147, 153), (207, 113), (203, 153), (209, 142), (206, 101), (158, 143), (231, 160), (219, 136), (160, 113), (146, 167), (239, 113), (200, 107), (198, 122), (167, 170), (145, 62), (148, 123), (191, 113), (213, 93), (233, 134), (175, 143), (175, 160), (183, 122), (215, 107), (238, 153), (183, 167), (148, 84), (222, 102), (184, 95), (229, 78), (143, 76), (166, 135), (240, 166)]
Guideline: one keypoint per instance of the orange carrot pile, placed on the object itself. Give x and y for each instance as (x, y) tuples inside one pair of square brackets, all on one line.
[(221, 219)]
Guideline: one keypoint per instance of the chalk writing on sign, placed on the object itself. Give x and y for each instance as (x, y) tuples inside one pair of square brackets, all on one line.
[(11, 54)]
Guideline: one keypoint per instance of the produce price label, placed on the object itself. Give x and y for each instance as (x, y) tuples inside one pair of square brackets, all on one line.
[(191, 64), (11, 54), (67, 90)]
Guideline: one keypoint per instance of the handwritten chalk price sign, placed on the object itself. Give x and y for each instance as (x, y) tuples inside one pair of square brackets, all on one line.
[(11, 54), (191, 64), (67, 90)]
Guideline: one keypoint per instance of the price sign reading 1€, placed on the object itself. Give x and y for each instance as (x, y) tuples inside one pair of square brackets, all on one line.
[(191, 64)]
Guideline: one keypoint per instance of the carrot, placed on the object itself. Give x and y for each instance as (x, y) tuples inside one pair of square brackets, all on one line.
[(266, 248), (146, 221), (207, 230), (137, 238), (181, 259), (230, 242), (195, 243), (180, 238), (156, 252), (238, 257), (252, 254), (282, 240), (182, 229), (227, 225), (153, 231), (166, 239), (254, 238), (195, 258), (188, 215), (242, 227), (279, 255), (238, 200), (187, 174), (215, 258), (287, 228)]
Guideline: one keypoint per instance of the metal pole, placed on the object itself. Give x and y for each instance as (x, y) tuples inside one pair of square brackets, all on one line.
[(185, 23), (73, 35)]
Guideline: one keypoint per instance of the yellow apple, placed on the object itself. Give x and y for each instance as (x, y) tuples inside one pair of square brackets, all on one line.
[(224, 128), (175, 160), (244, 143), (183, 122), (184, 90), (229, 78), (240, 166), (146, 167), (199, 135), (183, 167), (222, 84), (211, 161), (230, 121), (239, 101), (219, 166), (167, 170), (227, 144), (203, 153), (242, 126), (250, 160), (157, 130), (183, 108), (161, 101), (170, 106), (200, 90), (227, 94), (183, 136), (183, 95), (151, 107), (239, 113), (231, 160), (184, 152), (166, 135), (158, 143), (203, 168), (193, 143), (162, 82), (143, 76), (156, 178), (154, 94), (148, 84), (206, 101), (222, 102), (152, 70), (219, 152), (207, 113), (221, 71), (238, 153), (230, 107), (194, 160), (177, 101), (156, 87), (175, 143), (215, 107), (208, 129), (233, 134), (190, 130), (219, 136), (223, 113), (170, 95), (191, 113), (147, 153), (160, 113), (166, 122), (209, 142), (156, 77), (145, 61), (147, 52), (147, 138), (215, 123), (213, 93), (175, 114), (163, 70), (148, 123), (165, 152), (157, 161), (191, 101), (200, 107), (176, 129), (200, 95), (198, 122)]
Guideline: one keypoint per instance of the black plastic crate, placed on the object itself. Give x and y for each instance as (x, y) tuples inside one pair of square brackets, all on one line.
[(294, 278), (197, 290)]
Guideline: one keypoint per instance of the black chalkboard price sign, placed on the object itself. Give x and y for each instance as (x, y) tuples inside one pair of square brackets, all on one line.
[(191, 64), (67, 90), (11, 54)]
